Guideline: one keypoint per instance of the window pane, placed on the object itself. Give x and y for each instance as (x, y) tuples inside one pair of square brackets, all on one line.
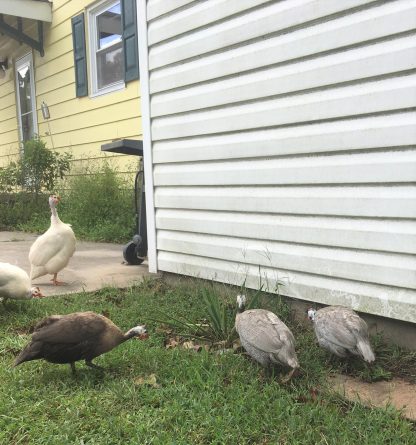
[(110, 65), (23, 77), (109, 26), (27, 126)]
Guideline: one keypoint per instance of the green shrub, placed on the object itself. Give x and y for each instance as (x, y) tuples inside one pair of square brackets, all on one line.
[(20, 208), (96, 201), (36, 171), (26, 183), (99, 204)]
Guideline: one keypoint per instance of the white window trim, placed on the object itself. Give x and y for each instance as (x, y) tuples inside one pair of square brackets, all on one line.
[(20, 63), (93, 11)]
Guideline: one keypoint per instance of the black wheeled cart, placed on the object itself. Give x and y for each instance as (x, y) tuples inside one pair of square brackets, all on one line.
[(135, 251)]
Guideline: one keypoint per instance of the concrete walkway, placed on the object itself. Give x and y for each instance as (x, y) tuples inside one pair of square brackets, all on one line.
[(93, 266), (397, 392)]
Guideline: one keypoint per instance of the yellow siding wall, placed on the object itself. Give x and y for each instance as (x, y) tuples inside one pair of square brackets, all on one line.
[(78, 125), (9, 135)]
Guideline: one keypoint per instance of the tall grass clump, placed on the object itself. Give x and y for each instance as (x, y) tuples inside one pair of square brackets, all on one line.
[(99, 203), (216, 326)]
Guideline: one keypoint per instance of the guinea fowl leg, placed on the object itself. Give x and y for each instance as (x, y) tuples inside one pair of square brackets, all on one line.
[(74, 371), (55, 280), (91, 365)]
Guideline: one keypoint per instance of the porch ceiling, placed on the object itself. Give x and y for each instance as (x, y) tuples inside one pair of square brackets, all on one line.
[(33, 10), (30, 9)]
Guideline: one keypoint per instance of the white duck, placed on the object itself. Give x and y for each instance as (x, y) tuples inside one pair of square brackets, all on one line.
[(51, 252), (265, 337), (15, 284), (341, 331)]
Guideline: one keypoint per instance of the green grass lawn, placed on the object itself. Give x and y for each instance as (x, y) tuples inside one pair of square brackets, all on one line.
[(197, 397)]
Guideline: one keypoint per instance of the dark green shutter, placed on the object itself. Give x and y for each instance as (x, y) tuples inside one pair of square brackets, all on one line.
[(80, 56), (131, 57)]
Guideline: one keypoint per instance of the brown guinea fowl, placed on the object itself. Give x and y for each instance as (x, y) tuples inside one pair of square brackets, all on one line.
[(265, 337), (73, 337), (341, 331)]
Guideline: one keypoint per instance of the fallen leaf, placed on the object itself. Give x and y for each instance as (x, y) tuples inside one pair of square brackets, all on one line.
[(148, 380), (191, 345), (223, 351), (171, 343)]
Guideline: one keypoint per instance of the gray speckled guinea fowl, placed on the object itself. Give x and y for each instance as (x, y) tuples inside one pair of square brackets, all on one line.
[(341, 331), (265, 337)]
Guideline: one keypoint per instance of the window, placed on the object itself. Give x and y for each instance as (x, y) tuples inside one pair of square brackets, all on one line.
[(26, 101), (113, 49), (106, 47)]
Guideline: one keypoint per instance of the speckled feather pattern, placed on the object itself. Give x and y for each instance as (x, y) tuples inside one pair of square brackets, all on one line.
[(266, 338), (341, 331)]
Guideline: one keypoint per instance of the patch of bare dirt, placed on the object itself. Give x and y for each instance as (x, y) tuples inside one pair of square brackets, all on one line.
[(396, 392)]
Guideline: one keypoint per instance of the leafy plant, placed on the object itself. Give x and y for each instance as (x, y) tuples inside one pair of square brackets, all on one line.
[(217, 325), (18, 209), (8, 178), (37, 170)]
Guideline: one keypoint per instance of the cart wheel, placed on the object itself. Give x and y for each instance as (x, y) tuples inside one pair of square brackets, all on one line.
[(130, 255)]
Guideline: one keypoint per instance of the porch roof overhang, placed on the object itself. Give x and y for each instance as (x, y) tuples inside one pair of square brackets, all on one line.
[(34, 10), (30, 9)]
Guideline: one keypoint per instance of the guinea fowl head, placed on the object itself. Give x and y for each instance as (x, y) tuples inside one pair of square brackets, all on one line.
[(138, 331), (241, 302), (54, 200), (36, 293), (311, 314)]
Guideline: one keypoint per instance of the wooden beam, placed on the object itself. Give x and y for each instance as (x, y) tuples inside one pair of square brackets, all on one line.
[(22, 37)]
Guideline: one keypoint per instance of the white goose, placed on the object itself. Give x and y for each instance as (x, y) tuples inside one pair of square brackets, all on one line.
[(51, 252), (15, 284)]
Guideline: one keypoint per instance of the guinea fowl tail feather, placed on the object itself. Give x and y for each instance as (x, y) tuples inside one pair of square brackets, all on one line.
[(19, 359), (365, 350), (31, 352)]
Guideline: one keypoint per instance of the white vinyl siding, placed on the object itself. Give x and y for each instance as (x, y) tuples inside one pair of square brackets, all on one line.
[(283, 146)]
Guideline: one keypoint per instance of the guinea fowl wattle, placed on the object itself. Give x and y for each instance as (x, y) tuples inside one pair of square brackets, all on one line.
[(73, 337), (265, 337), (341, 331), (15, 284), (51, 252)]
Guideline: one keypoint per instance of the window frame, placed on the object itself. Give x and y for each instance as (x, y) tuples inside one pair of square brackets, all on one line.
[(26, 60), (93, 12)]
